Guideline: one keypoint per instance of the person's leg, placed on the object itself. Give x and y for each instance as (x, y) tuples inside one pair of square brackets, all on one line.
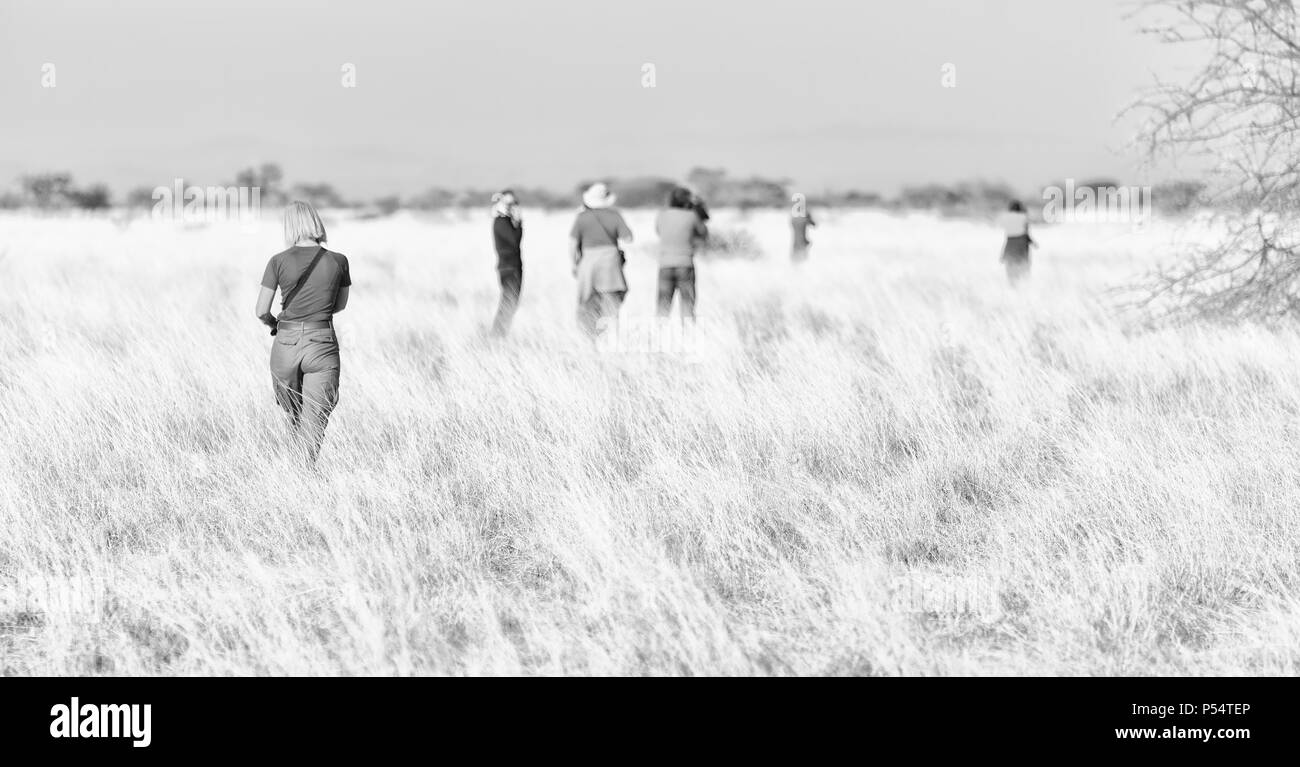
[(320, 386), (589, 315), (286, 377), (686, 286), (1017, 270), (610, 303), (512, 281), (667, 284)]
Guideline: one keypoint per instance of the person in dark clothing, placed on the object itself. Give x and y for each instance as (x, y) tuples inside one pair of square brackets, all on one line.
[(1015, 253), (697, 204), (507, 235)]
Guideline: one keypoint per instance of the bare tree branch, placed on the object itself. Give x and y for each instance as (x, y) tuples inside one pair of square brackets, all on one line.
[(1242, 109)]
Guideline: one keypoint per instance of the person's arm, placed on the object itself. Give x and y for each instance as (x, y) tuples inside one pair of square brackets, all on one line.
[(345, 285), (575, 244), (263, 309), (270, 280)]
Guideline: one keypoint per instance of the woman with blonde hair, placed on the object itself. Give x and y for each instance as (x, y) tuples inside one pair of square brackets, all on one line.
[(314, 284), (596, 243)]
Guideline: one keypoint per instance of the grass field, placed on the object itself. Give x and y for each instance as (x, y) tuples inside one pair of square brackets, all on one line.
[(888, 462)]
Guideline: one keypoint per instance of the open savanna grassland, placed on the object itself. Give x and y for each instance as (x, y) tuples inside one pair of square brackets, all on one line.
[(885, 462)]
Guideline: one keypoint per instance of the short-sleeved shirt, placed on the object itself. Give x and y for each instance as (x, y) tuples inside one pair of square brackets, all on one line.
[(315, 301), (1014, 223), (680, 230), (592, 228)]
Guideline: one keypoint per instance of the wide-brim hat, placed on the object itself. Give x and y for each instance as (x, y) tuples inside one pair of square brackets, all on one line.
[(598, 196)]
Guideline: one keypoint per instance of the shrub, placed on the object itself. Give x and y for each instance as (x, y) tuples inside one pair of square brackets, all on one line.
[(736, 242)]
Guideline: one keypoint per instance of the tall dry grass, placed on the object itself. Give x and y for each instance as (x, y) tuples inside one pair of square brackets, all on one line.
[(888, 463)]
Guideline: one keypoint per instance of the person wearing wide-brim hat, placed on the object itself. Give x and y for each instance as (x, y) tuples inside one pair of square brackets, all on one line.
[(596, 242)]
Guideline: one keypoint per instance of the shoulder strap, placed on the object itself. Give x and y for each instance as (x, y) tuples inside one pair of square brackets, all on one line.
[(302, 280), (612, 238)]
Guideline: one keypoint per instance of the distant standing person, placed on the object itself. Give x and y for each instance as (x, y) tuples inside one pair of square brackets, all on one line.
[(681, 231), (1015, 253), (507, 234), (314, 285), (596, 244), (800, 219)]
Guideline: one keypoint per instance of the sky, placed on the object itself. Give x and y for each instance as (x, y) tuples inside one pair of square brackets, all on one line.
[(830, 94)]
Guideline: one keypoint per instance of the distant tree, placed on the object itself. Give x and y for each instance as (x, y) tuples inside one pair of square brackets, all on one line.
[(1178, 196), (431, 199), (707, 182), (1241, 112), (636, 191), (984, 197), (753, 192), (720, 190), (388, 205), (539, 197), (320, 195), (47, 190), (858, 198), (267, 177), (929, 197), (140, 197), (94, 197)]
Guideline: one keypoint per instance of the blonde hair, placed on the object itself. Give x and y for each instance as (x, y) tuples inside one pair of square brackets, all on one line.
[(302, 223)]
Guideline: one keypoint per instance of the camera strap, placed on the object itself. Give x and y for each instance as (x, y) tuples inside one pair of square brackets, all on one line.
[(613, 237)]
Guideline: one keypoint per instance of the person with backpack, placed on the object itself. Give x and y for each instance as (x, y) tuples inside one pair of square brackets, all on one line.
[(507, 235), (596, 243), (314, 285)]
